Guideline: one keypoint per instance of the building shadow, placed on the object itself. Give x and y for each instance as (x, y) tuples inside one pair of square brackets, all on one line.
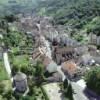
[(90, 94)]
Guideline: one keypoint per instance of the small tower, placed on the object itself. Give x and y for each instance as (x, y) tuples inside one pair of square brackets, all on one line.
[(20, 82)]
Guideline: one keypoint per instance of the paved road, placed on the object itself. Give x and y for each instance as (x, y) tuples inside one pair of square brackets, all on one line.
[(6, 63)]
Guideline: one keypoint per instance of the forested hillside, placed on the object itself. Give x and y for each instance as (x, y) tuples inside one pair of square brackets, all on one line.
[(16, 6), (71, 12), (78, 14)]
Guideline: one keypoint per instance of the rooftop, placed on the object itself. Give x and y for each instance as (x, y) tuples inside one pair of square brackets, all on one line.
[(70, 67), (64, 49), (20, 76)]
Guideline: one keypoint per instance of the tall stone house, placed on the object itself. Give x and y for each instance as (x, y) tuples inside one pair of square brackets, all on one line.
[(94, 39)]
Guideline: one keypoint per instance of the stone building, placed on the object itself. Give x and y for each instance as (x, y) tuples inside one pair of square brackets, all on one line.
[(94, 39), (63, 54), (20, 82)]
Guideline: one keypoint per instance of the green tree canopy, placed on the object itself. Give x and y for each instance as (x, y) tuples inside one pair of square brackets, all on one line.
[(92, 79)]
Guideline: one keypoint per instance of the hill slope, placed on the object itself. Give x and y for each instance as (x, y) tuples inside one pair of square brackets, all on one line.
[(71, 12)]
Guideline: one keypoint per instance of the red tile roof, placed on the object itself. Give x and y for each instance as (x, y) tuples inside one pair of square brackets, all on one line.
[(70, 67)]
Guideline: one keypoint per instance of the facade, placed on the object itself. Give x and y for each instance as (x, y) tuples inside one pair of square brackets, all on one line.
[(94, 39), (85, 59), (49, 64)]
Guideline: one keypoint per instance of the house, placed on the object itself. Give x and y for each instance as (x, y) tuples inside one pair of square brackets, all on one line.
[(96, 56), (61, 54), (49, 64), (81, 50), (85, 59), (70, 69), (38, 53), (64, 40), (92, 48), (94, 39), (20, 82), (56, 77)]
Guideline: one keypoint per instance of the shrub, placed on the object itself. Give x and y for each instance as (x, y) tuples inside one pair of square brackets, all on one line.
[(92, 79)]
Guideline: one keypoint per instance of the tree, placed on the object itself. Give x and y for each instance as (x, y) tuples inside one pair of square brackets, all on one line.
[(3, 24), (68, 92), (92, 79), (39, 73), (65, 83), (94, 26), (9, 95), (67, 89), (1, 88), (15, 69), (39, 69), (12, 39), (10, 18)]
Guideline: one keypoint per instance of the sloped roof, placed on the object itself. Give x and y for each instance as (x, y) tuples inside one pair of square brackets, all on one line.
[(20, 76), (69, 66), (52, 67), (64, 49)]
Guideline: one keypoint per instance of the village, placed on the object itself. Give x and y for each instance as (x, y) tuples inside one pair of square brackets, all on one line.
[(62, 58)]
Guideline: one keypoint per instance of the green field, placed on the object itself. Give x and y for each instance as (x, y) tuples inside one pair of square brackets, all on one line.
[(21, 60)]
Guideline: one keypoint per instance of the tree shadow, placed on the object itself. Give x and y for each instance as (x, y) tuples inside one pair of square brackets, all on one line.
[(90, 94)]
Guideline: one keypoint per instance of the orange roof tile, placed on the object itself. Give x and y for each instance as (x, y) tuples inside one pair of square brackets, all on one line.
[(70, 67)]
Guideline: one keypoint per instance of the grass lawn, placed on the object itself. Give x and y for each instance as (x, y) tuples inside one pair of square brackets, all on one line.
[(21, 60), (3, 73), (7, 84)]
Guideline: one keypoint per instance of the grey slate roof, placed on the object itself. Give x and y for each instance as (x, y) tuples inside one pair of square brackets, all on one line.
[(52, 67), (20, 76)]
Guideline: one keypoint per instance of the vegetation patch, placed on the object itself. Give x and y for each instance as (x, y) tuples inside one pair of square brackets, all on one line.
[(3, 73), (92, 79), (20, 61)]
